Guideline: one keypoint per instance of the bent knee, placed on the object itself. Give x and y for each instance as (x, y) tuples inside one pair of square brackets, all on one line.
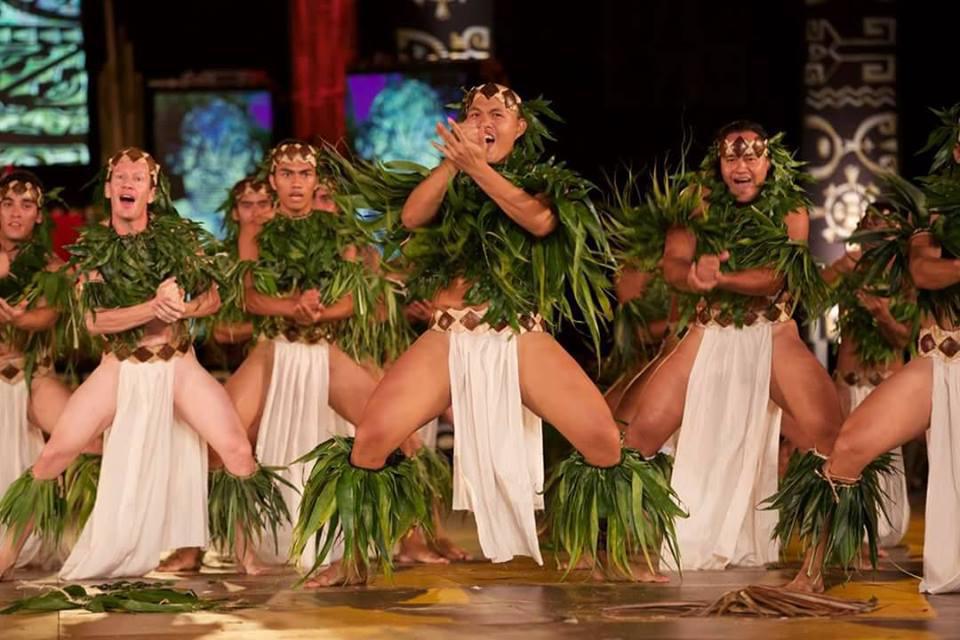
[(603, 449)]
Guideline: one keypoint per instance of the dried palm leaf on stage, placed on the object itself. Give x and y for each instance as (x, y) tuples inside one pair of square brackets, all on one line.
[(370, 511), (122, 597), (775, 602), (634, 499), (752, 601), (249, 506)]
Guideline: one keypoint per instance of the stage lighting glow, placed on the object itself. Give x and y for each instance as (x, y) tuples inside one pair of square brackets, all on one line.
[(207, 141)]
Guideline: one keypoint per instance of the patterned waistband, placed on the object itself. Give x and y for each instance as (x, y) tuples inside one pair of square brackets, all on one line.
[(935, 342), (311, 334), (862, 378), (770, 312), (12, 370), (471, 321), (152, 353)]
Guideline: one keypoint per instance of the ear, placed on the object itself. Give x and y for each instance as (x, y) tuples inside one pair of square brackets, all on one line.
[(521, 127), (152, 196), (273, 182), (234, 214), (106, 190)]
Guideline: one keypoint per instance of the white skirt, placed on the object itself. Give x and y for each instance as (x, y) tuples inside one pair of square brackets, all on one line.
[(896, 504), (941, 543), (726, 460), (498, 451), (296, 418), (152, 494), (20, 445)]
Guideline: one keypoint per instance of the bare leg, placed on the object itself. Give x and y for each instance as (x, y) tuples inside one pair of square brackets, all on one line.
[(414, 390), (630, 399), (249, 384), (663, 396), (614, 394), (554, 387), (351, 385), (88, 412), (204, 404), (247, 388), (802, 388), (884, 421)]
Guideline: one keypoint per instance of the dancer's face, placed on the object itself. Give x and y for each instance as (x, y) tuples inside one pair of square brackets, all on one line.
[(19, 212), (956, 152), (494, 126), (743, 173), (130, 188), (253, 206), (294, 182)]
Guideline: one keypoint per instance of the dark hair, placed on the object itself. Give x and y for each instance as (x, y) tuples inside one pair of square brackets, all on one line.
[(21, 175), (740, 125), (252, 182)]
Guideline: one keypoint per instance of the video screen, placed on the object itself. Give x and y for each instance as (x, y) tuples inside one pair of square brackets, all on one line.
[(393, 116), (206, 142), (44, 116)]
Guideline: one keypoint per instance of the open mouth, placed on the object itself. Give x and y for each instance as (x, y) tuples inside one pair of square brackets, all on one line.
[(489, 139), (127, 199), (742, 181)]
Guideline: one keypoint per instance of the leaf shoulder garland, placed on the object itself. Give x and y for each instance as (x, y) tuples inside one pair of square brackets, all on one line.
[(564, 276), (132, 266), (885, 263), (859, 325), (296, 254), (755, 234), (32, 279)]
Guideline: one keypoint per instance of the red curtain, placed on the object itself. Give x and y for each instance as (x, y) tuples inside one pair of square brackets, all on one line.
[(322, 37)]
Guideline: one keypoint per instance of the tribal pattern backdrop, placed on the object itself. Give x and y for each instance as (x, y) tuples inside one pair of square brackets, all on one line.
[(44, 117), (445, 29), (850, 112)]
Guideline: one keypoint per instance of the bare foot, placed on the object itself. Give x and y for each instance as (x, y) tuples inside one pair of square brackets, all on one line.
[(337, 576), (249, 563), (865, 555), (805, 583), (642, 573), (445, 547), (183, 560), (414, 549), (584, 563)]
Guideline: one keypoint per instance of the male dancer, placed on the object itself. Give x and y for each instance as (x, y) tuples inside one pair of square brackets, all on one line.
[(26, 334), (742, 256), (136, 270), (491, 199)]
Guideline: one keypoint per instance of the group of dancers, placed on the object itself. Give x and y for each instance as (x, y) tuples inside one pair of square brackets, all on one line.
[(318, 450)]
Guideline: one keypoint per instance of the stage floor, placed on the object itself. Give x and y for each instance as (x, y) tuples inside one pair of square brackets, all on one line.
[(514, 600)]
